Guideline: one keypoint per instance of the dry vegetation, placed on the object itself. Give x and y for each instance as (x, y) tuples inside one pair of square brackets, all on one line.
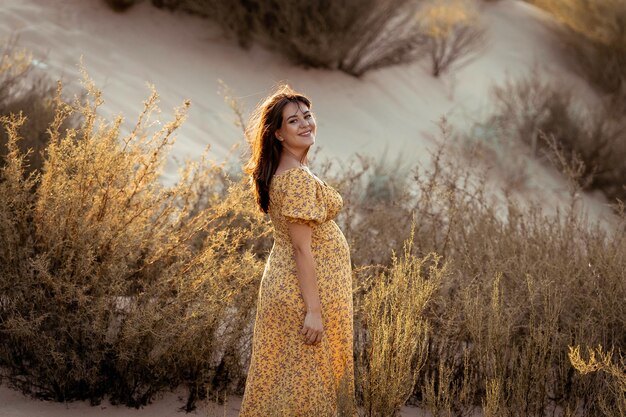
[(22, 88), (392, 331), (354, 36), (112, 284), (452, 31), (521, 288), (594, 33), (535, 116), (615, 369)]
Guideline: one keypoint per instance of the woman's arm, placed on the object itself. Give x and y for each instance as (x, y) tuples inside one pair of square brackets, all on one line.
[(301, 240)]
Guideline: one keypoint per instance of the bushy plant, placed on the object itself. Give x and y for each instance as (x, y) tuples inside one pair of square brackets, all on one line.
[(392, 331), (353, 36), (522, 286), (594, 34), (24, 89), (533, 112), (453, 33), (614, 404), (112, 283)]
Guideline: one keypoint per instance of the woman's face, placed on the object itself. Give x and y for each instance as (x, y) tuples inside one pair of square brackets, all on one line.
[(297, 132)]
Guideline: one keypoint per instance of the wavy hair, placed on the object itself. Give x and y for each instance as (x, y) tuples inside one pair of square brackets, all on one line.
[(266, 149)]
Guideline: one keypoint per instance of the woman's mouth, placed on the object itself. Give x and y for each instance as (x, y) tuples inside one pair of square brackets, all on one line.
[(306, 134)]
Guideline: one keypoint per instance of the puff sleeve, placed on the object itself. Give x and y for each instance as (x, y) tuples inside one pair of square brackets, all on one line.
[(303, 199)]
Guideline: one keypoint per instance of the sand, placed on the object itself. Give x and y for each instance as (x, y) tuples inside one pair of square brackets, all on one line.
[(185, 58), (14, 404)]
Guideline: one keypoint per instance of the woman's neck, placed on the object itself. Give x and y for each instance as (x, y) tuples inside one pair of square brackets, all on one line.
[(290, 155)]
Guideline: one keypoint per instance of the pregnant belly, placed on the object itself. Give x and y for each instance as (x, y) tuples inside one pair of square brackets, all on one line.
[(329, 236), (331, 256)]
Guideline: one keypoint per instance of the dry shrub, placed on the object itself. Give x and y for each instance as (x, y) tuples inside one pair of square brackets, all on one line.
[(353, 36), (521, 287), (443, 392), (615, 402), (392, 332), (595, 36), (121, 5), (375, 193), (519, 295), (23, 89), (530, 109), (112, 283), (453, 33), (14, 65)]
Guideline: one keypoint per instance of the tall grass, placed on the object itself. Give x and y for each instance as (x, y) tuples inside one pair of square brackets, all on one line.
[(522, 287), (392, 342)]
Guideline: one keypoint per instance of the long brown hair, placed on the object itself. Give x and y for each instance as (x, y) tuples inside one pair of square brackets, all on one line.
[(266, 149)]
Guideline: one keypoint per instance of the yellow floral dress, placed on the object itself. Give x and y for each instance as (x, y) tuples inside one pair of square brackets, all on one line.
[(286, 376)]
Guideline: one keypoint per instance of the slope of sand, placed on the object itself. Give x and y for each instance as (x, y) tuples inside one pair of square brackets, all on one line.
[(185, 57)]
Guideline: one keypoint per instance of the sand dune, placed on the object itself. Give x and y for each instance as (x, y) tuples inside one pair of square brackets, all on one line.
[(184, 58)]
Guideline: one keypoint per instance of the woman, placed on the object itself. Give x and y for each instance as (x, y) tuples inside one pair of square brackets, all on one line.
[(302, 363)]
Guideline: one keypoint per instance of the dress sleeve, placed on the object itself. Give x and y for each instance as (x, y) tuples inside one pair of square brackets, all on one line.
[(303, 199)]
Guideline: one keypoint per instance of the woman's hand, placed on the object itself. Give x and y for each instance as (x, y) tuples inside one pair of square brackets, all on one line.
[(313, 328)]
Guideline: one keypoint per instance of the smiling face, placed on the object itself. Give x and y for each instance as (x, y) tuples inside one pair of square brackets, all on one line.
[(297, 132)]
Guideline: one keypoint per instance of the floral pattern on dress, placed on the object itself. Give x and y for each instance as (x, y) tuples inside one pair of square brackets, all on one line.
[(286, 376)]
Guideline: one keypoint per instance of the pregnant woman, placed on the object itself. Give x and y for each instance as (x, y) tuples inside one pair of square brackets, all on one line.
[(302, 363)]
